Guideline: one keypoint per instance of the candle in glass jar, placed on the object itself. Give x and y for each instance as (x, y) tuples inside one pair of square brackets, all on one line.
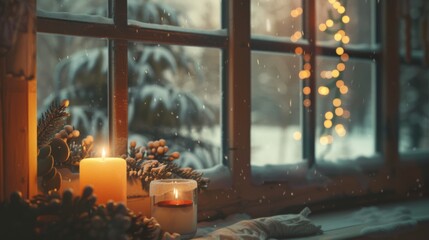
[(174, 205), (107, 176)]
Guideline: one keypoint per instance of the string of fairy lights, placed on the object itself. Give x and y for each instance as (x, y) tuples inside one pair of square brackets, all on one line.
[(333, 85)]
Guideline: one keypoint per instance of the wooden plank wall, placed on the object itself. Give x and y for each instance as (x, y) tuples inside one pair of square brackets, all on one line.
[(19, 113), (2, 180)]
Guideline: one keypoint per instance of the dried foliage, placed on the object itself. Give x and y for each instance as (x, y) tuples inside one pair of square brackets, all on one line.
[(153, 162), (51, 121), (55, 216)]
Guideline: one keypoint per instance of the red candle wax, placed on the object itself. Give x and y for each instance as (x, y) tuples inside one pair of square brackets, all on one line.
[(174, 203)]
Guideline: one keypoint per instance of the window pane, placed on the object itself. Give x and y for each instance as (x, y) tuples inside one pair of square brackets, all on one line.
[(277, 18), (174, 93), (75, 68), (201, 14), (345, 115), (413, 35), (414, 109), (93, 7), (276, 109), (355, 18)]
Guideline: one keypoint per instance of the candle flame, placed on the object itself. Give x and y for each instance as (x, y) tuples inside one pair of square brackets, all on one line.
[(176, 193), (103, 153)]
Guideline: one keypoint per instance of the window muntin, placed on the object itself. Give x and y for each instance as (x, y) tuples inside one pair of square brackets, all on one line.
[(201, 14), (276, 109)]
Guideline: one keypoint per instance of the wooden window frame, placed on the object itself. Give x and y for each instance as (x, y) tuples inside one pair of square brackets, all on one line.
[(236, 46)]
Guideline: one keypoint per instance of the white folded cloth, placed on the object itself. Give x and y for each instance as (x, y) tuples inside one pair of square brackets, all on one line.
[(280, 226)]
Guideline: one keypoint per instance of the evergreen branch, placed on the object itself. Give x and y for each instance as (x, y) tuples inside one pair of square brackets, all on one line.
[(51, 121), (189, 173)]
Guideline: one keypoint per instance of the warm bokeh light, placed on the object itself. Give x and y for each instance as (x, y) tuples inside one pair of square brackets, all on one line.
[(338, 37), (341, 67), (339, 51), (339, 111), (336, 102), (297, 135), (307, 103), (341, 10), (307, 66), (339, 83), (344, 89), (299, 50), (296, 36), (306, 90), (323, 90), (336, 5), (345, 39), (346, 114), (344, 57), (307, 57), (345, 19), (329, 23), (332, 1), (325, 140), (303, 74), (296, 12), (335, 73), (340, 130), (329, 115), (322, 27), (327, 123), (341, 32)]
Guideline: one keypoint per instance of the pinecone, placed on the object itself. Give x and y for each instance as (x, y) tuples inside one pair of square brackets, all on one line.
[(52, 216)]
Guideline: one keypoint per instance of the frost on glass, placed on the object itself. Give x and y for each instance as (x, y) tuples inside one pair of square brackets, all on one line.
[(276, 109), (345, 110), (355, 18), (93, 7), (74, 68), (414, 109), (277, 18), (201, 14), (174, 93)]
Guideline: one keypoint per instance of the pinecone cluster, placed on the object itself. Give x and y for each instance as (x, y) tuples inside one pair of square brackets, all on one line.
[(55, 216), (61, 151), (153, 162)]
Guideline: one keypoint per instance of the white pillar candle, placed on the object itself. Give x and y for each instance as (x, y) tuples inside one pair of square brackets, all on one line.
[(107, 176), (174, 205)]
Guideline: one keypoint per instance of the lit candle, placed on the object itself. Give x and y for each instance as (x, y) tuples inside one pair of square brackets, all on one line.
[(174, 205), (107, 176)]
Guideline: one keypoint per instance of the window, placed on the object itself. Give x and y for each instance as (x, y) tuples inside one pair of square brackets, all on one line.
[(280, 103)]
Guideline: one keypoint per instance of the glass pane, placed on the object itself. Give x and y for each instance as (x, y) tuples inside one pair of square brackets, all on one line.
[(174, 94), (276, 109), (93, 7), (346, 22), (201, 14), (413, 29), (414, 109), (277, 18), (345, 110), (74, 68)]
